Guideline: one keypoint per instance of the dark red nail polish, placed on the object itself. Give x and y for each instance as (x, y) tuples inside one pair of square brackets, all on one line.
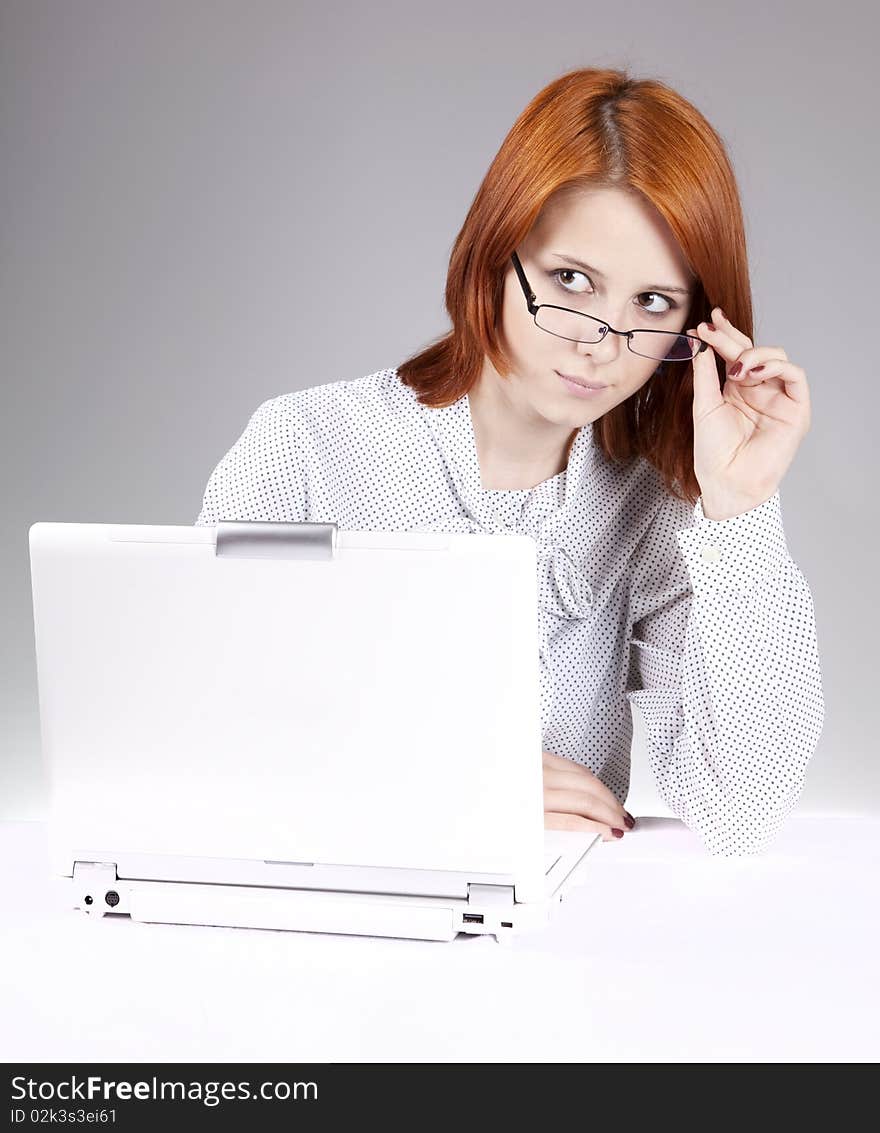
[(629, 820), (617, 833), (710, 326), (755, 369), (734, 370)]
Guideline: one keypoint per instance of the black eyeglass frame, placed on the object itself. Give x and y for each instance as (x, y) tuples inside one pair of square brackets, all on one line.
[(627, 334)]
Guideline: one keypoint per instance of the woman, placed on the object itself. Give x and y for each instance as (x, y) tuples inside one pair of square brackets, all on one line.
[(599, 251)]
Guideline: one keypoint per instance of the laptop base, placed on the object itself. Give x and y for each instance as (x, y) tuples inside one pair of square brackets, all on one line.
[(487, 910)]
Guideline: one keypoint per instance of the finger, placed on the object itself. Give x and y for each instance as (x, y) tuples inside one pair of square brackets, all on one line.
[(793, 378), (721, 341), (559, 796), (719, 319), (595, 784), (730, 345), (561, 820), (560, 763), (756, 355)]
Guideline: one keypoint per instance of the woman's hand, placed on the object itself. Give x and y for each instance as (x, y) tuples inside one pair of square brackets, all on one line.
[(574, 799), (746, 434)]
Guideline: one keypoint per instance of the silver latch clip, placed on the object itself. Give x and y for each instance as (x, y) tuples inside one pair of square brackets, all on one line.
[(248, 539)]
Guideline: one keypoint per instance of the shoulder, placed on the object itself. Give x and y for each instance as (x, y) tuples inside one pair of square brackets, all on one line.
[(374, 400)]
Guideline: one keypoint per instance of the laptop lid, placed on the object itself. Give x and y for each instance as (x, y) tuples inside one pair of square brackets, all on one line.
[(291, 692)]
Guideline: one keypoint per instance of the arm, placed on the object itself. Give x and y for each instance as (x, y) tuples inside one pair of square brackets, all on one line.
[(724, 663), (260, 477)]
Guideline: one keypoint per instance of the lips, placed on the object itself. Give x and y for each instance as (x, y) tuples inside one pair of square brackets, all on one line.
[(581, 381)]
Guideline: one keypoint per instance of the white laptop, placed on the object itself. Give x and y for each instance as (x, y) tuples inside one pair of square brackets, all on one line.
[(292, 726)]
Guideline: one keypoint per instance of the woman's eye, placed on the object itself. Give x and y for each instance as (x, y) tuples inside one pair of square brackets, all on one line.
[(559, 272), (563, 277), (658, 311), (670, 306)]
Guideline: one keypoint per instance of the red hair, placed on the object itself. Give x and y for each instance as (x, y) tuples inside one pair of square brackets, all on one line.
[(599, 127)]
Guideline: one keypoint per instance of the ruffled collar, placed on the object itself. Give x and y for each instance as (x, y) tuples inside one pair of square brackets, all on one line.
[(453, 429), (564, 588)]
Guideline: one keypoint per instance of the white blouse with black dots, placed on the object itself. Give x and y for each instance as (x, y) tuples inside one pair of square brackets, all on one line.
[(707, 625)]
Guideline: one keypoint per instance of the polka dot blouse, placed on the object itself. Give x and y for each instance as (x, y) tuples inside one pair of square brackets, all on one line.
[(707, 625)]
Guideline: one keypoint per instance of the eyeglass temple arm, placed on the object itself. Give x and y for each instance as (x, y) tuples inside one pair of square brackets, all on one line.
[(524, 283)]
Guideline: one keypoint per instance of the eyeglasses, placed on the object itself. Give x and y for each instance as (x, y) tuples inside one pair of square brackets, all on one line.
[(661, 345)]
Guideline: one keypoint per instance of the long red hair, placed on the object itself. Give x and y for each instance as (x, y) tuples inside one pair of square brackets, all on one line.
[(599, 127)]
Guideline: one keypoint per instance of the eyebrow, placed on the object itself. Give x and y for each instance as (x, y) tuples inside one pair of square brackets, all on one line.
[(650, 287)]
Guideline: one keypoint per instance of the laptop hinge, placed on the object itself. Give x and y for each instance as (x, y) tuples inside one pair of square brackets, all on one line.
[(496, 896), (248, 539)]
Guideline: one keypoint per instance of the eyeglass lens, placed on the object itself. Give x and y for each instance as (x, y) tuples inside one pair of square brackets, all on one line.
[(664, 346)]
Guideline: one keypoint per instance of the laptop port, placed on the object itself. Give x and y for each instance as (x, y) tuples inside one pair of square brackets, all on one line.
[(472, 918)]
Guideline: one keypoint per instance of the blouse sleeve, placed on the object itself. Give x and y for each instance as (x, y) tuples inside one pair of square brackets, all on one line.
[(724, 664), (261, 476)]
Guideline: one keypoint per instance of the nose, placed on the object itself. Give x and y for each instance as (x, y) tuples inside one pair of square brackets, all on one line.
[(607, 350)]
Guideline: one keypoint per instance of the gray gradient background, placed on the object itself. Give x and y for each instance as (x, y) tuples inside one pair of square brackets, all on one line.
[(189, 189)]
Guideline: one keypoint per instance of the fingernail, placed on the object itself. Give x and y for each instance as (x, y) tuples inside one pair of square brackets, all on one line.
[(734, 370), (755, 369), (710, 326), (628, 819), (617, 833)]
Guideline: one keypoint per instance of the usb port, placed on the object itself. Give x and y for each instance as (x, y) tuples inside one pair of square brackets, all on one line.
[(472, 918)]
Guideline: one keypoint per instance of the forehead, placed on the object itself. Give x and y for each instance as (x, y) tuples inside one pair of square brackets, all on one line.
[(618, 230)]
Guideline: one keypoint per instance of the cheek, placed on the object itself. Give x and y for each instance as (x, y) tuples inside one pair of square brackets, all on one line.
[(640, 374), (523, 337)]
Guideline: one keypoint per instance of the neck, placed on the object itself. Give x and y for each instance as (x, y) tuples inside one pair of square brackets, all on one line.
[(516, 447)]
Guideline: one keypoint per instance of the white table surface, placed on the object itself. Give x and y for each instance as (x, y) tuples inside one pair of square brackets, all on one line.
[(662, 953)]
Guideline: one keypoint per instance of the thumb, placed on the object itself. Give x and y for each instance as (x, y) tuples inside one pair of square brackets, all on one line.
[(707, 391)]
